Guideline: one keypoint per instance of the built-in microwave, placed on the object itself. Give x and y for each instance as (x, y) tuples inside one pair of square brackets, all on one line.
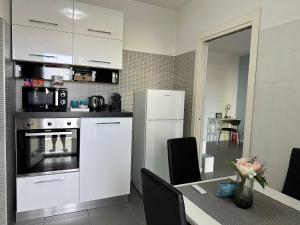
[(37, 99)]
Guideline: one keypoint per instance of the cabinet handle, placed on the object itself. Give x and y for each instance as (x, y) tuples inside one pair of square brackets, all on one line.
[(48, 181), (99, 61), (43, 22), (47, 134), (40, 55), (108, 123), (100, 31)]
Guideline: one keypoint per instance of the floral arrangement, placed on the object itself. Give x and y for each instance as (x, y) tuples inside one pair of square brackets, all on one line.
[(250, 168)]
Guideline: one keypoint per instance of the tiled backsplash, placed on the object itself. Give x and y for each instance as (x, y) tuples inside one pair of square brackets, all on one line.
[(184, 79), (140, 71)]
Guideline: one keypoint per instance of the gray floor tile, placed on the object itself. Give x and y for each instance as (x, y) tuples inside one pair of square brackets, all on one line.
[(31, 222), (66, 216), (77, 220), (136, 206), (113, 215)]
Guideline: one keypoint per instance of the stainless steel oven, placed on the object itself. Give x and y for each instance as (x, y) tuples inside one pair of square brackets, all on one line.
[(47, 145)]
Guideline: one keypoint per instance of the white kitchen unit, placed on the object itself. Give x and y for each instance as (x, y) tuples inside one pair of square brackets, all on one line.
[(46, 14), (105, 157), (158, 117), (40, 45), (98, 21), (47, 191), (97, 52)]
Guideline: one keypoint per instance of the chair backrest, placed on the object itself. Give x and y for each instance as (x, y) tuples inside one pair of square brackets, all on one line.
[(163, 203), (292, 182), (183, 160)]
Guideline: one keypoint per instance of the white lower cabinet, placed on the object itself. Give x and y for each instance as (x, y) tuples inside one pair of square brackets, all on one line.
[(47, 191), (105, 157)]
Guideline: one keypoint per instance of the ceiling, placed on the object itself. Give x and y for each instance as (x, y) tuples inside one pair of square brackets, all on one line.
[(237, 43), (170, 4)]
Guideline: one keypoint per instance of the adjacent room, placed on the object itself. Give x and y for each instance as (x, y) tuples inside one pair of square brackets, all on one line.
[(149, 112), (225, 100)]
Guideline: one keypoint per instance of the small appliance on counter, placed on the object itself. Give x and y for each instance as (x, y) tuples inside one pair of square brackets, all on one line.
[(96, 103), (41, 99), (116, 104)]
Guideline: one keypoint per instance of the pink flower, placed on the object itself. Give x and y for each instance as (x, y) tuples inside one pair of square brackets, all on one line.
[(256, 166)]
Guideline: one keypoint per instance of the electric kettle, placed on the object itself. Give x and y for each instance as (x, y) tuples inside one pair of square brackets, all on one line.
[(96, 103)]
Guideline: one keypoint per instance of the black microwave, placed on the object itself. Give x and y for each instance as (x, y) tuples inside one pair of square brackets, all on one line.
[(39, 99)]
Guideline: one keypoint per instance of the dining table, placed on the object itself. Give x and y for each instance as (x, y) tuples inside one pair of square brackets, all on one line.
[(270, 207)]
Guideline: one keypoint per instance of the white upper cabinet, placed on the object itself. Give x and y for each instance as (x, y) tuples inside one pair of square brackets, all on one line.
[(97, 21), (40, 45), (97, 52), (47, 14)]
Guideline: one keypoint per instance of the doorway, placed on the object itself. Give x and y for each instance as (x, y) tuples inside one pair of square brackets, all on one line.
[(210, 58), (225, 99)]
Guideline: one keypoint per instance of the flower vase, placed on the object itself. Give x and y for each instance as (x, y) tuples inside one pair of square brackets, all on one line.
[(243, 196)]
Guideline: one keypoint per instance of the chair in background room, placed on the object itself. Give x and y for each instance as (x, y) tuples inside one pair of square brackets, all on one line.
[(233, 129), (292, 181), (183, 160), (213, 129), (163, 203)]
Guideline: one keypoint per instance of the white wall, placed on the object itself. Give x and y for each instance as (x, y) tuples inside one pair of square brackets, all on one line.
[(147, 28), (221, 85), (201, 15)]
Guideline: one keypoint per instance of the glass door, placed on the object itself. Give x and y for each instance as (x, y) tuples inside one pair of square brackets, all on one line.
[(41, 151)]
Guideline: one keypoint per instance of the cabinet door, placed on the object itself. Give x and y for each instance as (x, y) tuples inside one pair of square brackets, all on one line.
[(105, 157), (47, 14), (98, 21), (97, 52), (39, 45), (47, 191)]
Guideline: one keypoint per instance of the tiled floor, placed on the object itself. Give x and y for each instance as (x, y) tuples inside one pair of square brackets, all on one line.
[(131, 213), (223, 151)]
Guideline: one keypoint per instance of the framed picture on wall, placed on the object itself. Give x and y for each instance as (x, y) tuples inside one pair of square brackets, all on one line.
[(219, 115)]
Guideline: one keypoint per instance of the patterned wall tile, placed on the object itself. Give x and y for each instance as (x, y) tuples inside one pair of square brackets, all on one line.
[(3, 194), (184, 79)]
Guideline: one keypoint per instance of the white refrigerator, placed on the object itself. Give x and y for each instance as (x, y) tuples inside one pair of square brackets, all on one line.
[(158, 116)]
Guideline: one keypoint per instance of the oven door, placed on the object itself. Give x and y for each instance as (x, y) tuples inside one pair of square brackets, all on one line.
[(47, 151), (39, 98)]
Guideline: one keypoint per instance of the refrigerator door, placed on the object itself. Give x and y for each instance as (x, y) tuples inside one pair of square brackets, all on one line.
[(165, 104), (157, 134)]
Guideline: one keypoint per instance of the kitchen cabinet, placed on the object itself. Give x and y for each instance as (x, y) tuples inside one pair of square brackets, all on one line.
[(47, 191), (98, 21), (105, 157), (97, 52), (46, 14), (40, 45)]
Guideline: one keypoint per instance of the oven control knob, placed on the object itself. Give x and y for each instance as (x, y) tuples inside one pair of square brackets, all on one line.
[(63, 102), (63, 94), (49, 124), (69, 123), (28, 123)]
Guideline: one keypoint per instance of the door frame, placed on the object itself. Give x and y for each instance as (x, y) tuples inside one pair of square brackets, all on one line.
[(251, 21)]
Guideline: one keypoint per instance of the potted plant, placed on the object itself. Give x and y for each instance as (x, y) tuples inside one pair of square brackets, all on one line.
[(247, 170)]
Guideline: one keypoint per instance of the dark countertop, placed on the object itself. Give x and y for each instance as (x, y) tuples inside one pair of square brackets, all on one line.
[(25, 115)]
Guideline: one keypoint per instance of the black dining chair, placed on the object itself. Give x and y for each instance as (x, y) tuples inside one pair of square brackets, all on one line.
[(233, 129), (292, 181), (183, 160), (163, 203)]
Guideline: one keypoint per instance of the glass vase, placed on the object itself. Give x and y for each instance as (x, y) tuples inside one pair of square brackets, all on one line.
[(243, 196)]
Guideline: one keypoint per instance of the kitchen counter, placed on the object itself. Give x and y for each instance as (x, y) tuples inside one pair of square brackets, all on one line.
[(24, 115)]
